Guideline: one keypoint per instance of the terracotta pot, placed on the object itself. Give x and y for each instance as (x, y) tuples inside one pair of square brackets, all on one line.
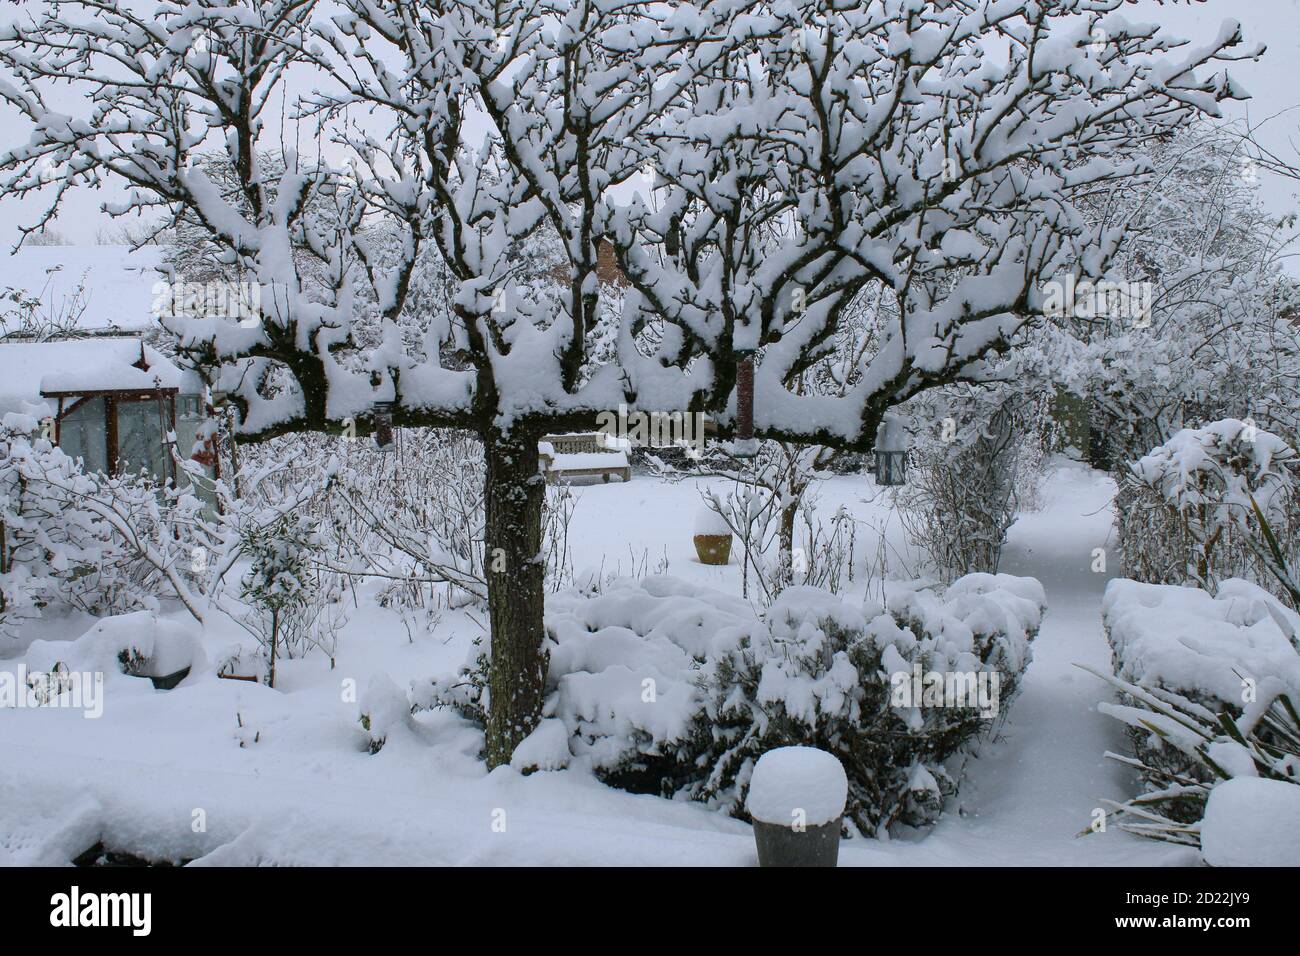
[(713, 548)]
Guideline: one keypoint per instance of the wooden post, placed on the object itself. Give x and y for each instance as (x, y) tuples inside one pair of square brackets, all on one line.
[(110, 434), (234, 451)]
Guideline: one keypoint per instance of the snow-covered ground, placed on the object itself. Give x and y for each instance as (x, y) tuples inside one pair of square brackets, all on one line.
[(234, 772)]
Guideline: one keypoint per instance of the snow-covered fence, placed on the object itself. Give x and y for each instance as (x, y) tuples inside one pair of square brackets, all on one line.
[(665, 687), (1184, 512)]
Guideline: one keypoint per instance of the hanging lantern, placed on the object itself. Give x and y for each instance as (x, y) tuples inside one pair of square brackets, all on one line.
[(745, 446), (891, 451), (383, 416)]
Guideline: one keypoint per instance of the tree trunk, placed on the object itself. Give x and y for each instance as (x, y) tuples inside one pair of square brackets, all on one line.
[(786, 542), (515, 493), (275, 640)]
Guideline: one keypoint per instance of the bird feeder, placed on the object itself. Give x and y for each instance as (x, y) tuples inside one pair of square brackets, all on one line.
[(745, 446), (382, 412), (891, 451)]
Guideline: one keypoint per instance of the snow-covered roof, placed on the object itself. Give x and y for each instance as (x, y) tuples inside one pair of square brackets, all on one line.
[(115, 283), (31, 370)]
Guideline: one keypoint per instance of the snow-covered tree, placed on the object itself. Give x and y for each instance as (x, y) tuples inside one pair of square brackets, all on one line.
[(752, 166), (1218, 337)]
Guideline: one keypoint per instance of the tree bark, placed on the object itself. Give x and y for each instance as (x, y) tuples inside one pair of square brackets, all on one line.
[(786, 541), (515, 494)]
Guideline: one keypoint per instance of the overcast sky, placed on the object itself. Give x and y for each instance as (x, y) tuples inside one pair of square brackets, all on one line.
[(1273, 82)]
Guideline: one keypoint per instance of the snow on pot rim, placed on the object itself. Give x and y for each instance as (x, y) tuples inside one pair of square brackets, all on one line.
[(787, 780), (708, 521)]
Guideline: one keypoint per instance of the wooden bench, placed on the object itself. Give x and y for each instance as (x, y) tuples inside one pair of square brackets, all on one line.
[(583, 455)]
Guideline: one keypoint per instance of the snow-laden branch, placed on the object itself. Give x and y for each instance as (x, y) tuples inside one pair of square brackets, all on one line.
[(754, 170)]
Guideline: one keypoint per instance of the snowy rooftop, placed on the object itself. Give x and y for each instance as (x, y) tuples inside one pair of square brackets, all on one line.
[(113, 283), (29, 370)]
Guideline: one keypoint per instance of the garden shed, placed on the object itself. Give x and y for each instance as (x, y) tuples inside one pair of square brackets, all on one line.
[(113, 400)]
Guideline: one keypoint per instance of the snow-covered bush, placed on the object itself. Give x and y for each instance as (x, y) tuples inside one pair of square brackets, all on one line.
[(382, 709), (970, 471), (825, 674), (1186, 512), (413, 516), (137, 644), (291, 601), (101, 544), (1208, 689), (782, 538), (41, 541), (669, 688)]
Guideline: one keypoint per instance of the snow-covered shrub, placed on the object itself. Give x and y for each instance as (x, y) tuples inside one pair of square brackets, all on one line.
[(670, 688), (826, 674), (1185, 513), (771, 510), (969, 473), (40, 540), (1187, 751), (101, 544), (1208, 686), (291, 601), (413, 515), (382, 709)]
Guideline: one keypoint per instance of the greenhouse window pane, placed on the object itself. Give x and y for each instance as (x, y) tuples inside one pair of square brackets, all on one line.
[(82, 434), (140, 439)]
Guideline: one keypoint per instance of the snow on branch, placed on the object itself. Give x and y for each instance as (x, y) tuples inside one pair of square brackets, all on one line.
[(754, 170)]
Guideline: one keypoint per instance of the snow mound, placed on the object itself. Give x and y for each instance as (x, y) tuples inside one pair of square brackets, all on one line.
[(790, 782), (383, 709), (1199, 644), (141, 644), (546, 748), (1251, 821)]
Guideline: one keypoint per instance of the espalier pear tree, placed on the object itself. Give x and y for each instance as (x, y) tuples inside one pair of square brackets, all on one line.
[(752, 166)]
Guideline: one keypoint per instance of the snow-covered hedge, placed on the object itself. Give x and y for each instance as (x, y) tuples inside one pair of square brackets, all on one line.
[(1228, 653), (1185, 512), (1200, 645), (665, 687)]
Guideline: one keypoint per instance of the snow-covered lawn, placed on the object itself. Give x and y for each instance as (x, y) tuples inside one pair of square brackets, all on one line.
[(234, 772)]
